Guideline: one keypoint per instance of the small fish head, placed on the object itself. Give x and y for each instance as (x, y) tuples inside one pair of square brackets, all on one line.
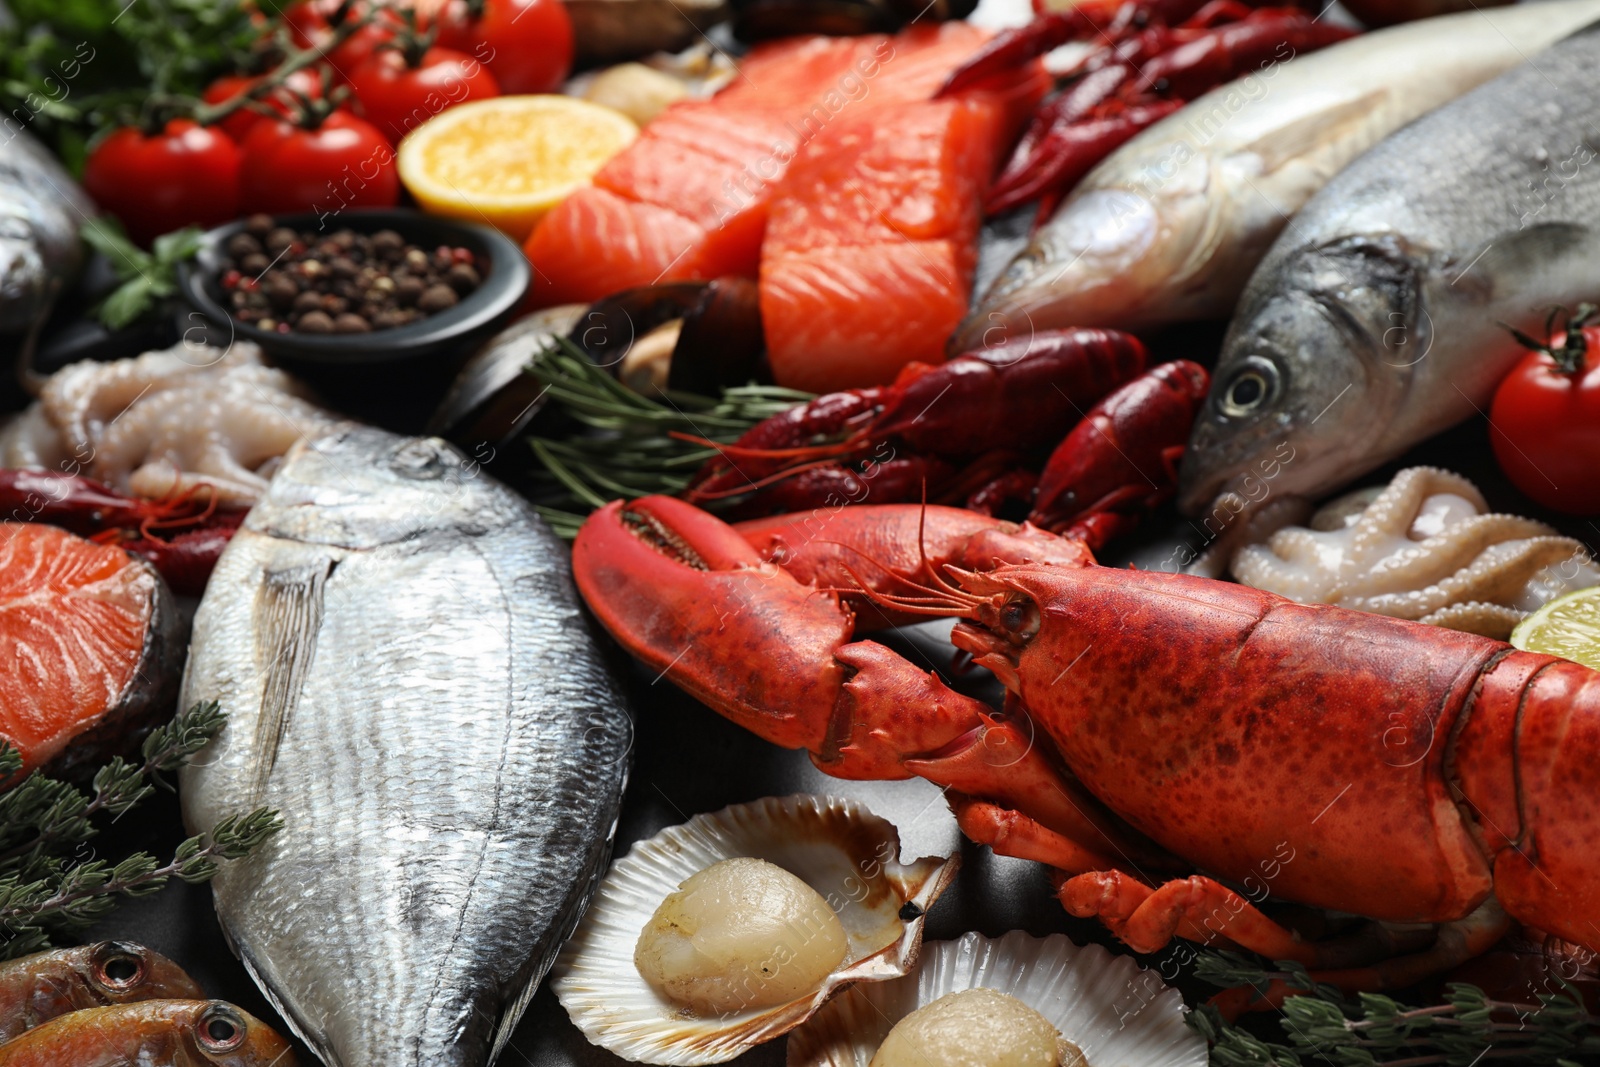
[(1289, 404), (222, 1034), (121, 972)]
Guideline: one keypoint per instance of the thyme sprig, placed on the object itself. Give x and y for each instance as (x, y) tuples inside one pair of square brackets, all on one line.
[(48, 888), (628, 452), (1325, 1027)]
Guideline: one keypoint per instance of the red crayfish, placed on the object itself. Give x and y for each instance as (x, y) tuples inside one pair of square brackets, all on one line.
[(1152, 57), (1154, 725), (963, 432), (181, 535)]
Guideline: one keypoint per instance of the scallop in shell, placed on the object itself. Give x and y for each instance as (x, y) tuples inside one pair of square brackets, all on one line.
[(836, 846), (1115, 1011)]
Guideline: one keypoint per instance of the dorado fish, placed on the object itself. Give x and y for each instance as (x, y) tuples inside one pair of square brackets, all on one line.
[(1168, 228), (41, 208), (410, 682), (1375, 322)]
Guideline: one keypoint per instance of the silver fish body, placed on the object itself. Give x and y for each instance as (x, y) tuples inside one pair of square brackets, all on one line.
[(1169, 227), (41, 208), (1375, 321), (411, 683)]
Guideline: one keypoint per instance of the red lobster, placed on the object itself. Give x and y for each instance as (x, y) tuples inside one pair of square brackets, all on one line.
[(1154, 723), (181, 535), (960, 431), (1153, 57)]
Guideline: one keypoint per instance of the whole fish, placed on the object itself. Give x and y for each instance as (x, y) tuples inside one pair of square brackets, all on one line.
[(41, 208), (1168, 228), (35, 989), (153, 1033), (411, 683), (1375, 321)]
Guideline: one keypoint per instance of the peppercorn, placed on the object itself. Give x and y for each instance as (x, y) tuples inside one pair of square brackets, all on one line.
[(315, 322)]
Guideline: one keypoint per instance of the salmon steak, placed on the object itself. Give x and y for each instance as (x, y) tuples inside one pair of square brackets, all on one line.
[(90, 647)]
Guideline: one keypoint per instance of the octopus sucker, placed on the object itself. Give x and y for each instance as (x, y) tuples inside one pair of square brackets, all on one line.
[(1424, 547), (167, 422)]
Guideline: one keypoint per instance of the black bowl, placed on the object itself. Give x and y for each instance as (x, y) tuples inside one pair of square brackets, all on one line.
[(393, 377)]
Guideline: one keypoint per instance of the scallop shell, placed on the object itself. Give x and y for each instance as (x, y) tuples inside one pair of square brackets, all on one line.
[(1118, 1013), (838, 847)]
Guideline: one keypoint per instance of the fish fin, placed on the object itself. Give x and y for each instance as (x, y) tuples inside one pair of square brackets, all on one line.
[(1522, 253), (288, 614), (319, 1047), (1302, 137), (1371, 287)]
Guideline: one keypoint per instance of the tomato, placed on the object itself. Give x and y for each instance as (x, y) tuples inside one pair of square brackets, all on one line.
[(343, 162), (238, 124), (309, 26), (399, 95), (526, 43), (186, 174), (1545, 422)]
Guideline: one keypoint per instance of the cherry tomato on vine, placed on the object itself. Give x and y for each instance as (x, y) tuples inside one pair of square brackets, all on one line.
[(1545, 420), (155, 183), (238, 124), (399, 91), (342, 162), (309, 26), (526, 43)]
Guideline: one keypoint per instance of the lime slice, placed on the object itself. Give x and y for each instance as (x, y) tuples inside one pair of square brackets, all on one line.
[(1568, 626)]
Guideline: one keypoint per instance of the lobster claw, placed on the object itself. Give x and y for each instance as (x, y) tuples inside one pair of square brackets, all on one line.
[(686, 594)]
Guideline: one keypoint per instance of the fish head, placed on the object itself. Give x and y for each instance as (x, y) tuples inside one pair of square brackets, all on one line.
[(120, 972), (1311, 375), (1104, 259), (222, 1034), (359, 487)]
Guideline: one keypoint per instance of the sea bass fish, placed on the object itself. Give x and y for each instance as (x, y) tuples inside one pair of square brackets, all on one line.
[(41, 208), (411, 683), (1168, 228), (1375, 321)]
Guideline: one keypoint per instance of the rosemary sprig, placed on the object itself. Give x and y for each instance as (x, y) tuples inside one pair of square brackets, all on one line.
[(48, 889), (628, 451), (1325, 1027)]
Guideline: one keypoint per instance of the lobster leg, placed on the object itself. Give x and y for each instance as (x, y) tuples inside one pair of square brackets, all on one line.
[(1196, 908), (1011, 833)]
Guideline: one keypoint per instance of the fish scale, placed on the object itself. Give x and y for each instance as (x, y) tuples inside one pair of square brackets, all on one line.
[(1375, 321), (448, 761)]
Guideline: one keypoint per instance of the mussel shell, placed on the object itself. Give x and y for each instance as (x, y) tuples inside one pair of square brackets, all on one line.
[(722, 340), (836, 846), (491, 398), (1107, 1005)]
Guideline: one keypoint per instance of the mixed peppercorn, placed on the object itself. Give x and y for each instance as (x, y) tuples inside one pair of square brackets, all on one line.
[(278, 279)]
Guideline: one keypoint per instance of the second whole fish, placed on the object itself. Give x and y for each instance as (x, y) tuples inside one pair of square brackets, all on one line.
[(152, 1033), (1376, 321), (1169, 227), (412, 685)]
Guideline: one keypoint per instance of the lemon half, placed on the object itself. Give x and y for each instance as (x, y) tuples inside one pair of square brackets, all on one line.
[(1568, 626), (508, 160)]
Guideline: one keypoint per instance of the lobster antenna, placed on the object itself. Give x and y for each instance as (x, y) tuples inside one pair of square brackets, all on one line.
[(696, 494), (942, 601), (938, 581)]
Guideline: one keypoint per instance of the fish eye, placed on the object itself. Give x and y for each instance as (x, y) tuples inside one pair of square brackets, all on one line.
[(118, 967), (219, 1030), (1251, 387), (1019, 615)]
